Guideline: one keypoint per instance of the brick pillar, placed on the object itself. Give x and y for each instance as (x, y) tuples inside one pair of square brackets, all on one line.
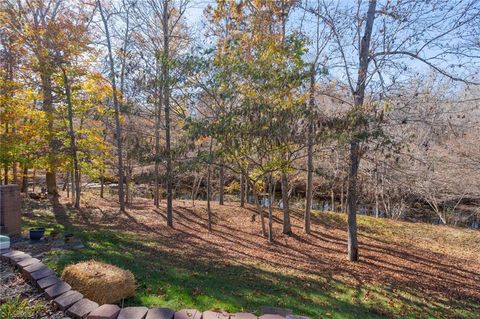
[(10, 204)]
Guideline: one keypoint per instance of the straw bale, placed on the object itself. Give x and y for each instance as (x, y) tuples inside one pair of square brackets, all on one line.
[(100, 282)]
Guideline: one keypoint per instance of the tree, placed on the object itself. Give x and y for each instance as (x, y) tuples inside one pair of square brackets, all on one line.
[(118, 128), (393, 34), (261, 65)]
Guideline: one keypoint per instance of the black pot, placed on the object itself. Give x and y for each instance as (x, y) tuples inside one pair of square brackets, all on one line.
[(36, 233)]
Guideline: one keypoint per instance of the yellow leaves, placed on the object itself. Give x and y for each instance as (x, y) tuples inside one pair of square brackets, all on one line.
[(386, 106), (202, 140)]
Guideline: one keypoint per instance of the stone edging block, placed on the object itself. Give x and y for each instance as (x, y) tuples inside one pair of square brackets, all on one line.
[(106, 311), (64, 301), (46, 282), (82, 308), (133, 313), (58, 289), (160, 313), (188, 314)]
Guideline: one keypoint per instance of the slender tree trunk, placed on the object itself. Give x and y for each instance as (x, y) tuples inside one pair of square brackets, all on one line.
[(102, 169), (5, 174), (222, 185), (166, 101), (127, 183), (247, 188), (270, 210), (287, 226), (309, 195), (209, 186), (34, 178), (209, 194), (192, 194), (25, 179), (51, 178), (332, 197), (242, 191), (5, 165), (342, 195), (260, 210), (71, 133), (158, 120), (196, 187), (15, 163), (66, 184), (118, 128), (376, 191), (352, 202), (359, 96), (72, 185), (15, 172), (102, 183)]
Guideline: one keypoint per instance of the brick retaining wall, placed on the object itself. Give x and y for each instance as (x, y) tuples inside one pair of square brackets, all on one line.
[(10, 205)]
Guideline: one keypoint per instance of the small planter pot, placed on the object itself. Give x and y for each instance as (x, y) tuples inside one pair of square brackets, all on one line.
[(37, 233), (4, 242)]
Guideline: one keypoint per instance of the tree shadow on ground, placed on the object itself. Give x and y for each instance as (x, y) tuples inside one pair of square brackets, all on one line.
[(235, 268)]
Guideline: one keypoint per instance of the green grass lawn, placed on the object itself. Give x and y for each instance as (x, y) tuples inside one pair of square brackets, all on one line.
[(172, 279)]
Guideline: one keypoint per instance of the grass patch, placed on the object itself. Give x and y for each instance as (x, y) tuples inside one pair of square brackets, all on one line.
[(169, 278), (172, 281), (18, 308)]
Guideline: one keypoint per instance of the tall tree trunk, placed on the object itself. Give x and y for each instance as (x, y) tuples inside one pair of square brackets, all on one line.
[(102, 184), (5, 165), (15, 163), (102, 169), (72, 185), (332, 198), (158, 120), (71, 133), (209, 186), (196, 187), (270, 210), (128, 181), (309, 195), (359, 96), (310, 141), (15, 172), (209, 195), (166, 100), (222, 185), (118, 128), (5, 174), (247, 188), (287, 226), (242, 191), (47, 105), (259, 209), (66, 184), (352, 202), (342, 195), (34, 178), (377, 204), (25, 179)]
